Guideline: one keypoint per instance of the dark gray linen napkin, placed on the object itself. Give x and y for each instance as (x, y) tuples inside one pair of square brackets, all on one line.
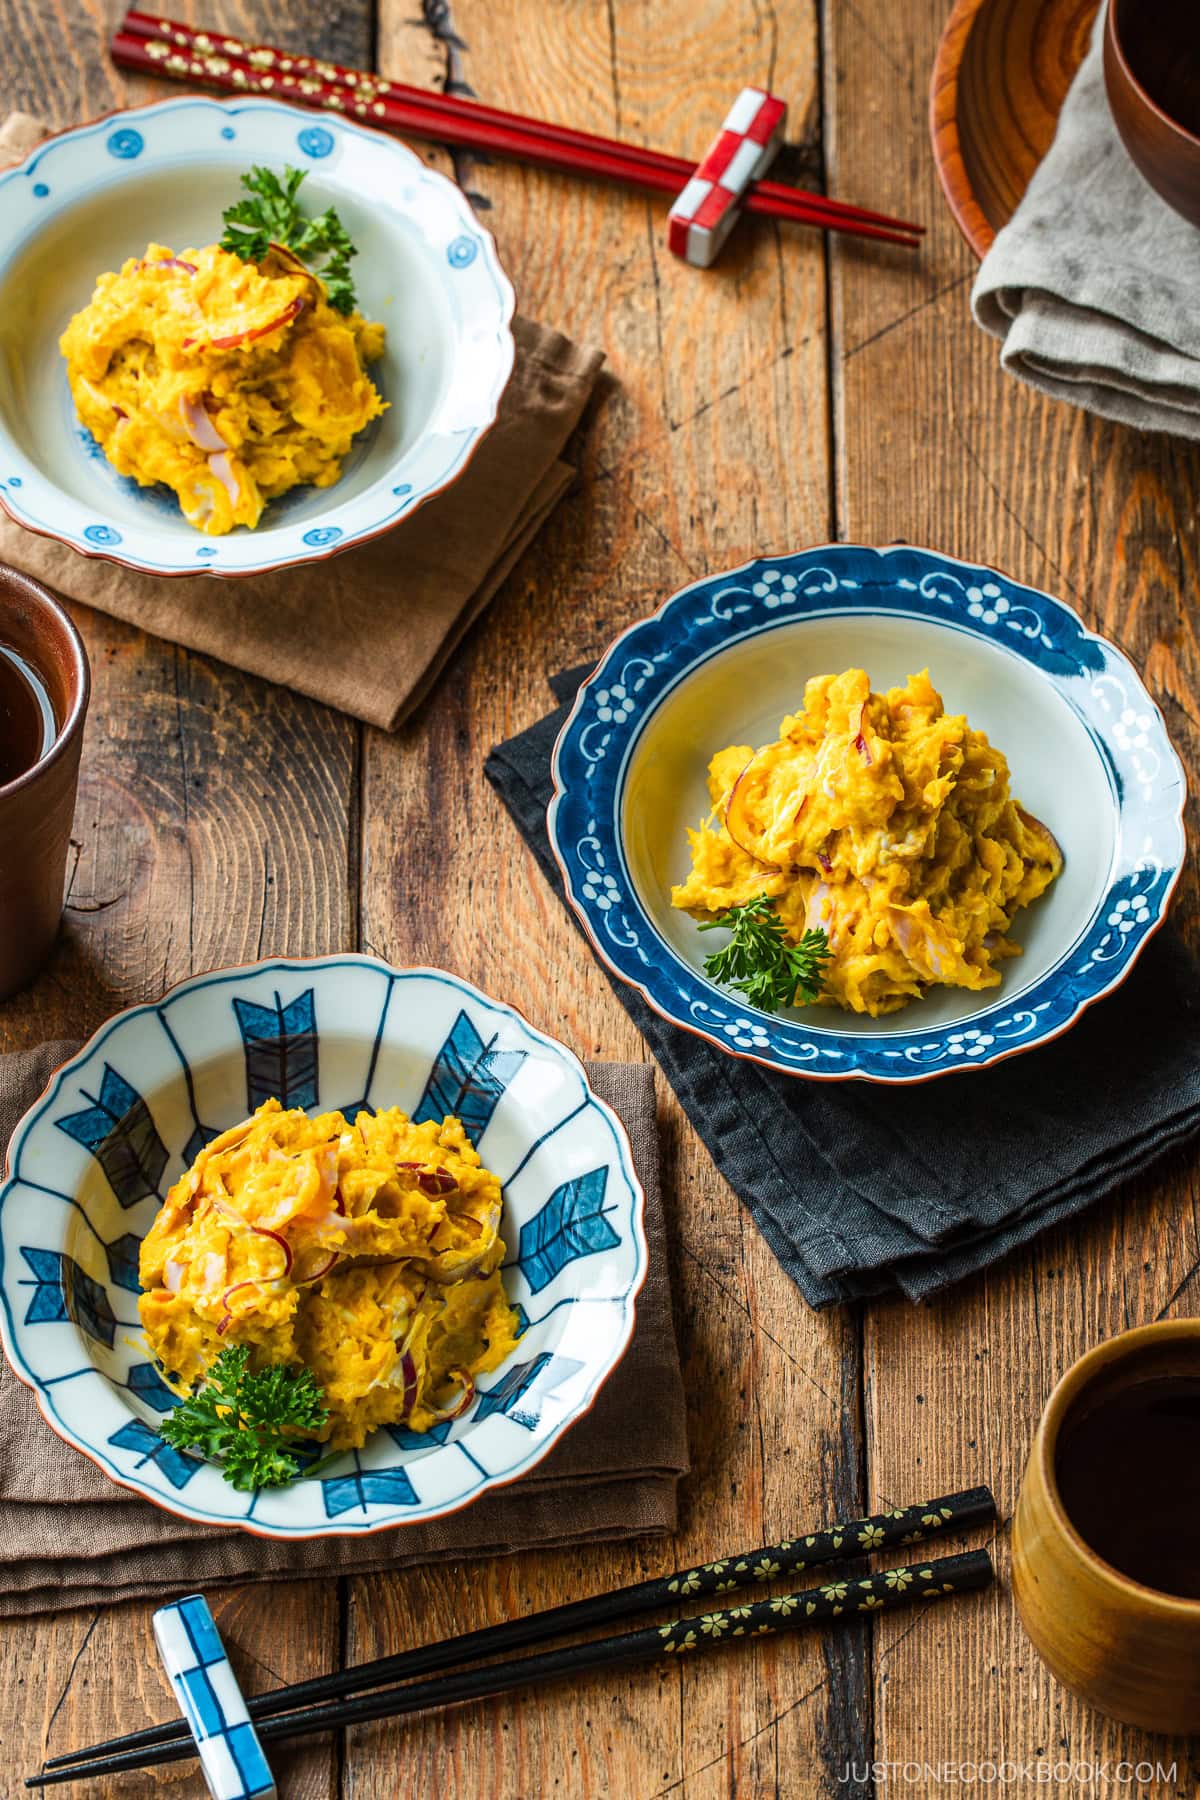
[(69, 1537), (859, 1188)]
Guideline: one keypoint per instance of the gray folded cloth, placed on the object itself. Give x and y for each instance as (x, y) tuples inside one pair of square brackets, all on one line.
[(70, 1537), (1094, 284)]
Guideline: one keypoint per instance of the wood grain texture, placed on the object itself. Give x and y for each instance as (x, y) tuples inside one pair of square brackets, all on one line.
[(938, 446), (775, 402), (184, 859), (1001, 71), (714, 386)]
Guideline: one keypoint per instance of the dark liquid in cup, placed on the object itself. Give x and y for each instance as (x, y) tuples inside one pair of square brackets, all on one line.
[(1162, 48), (1128, 1469), (27, 725)]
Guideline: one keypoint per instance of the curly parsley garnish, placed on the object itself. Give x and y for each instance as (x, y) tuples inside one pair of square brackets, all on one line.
[(246, 1421), (271, 215), (760, 959)]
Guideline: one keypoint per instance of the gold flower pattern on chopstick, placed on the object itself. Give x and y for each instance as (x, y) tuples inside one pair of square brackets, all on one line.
[(854, 1537), (865, 1594), (283, 77)]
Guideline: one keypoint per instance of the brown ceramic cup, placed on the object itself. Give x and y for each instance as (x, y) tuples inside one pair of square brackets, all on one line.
[(36, 809), (1152, 74), (1129, 1650)]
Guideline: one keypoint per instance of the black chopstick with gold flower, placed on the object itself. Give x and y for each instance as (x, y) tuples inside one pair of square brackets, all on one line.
[(868, 1594), (276, 1716)]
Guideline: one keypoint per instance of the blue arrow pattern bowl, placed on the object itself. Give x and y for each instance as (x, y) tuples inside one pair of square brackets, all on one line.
[(725, 659), (91, 1162)]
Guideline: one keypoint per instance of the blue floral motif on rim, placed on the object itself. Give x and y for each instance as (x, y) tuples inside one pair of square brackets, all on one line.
[(404, 488), (315, 141), (15, 481), (592, 758), (40, 190), (207, 550), (125, 144), (323, 534), (227, 131), (461, 253), (102, 534)]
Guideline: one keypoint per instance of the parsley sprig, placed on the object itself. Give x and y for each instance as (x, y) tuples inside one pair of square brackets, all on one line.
[(761, 961), (271, 214), (246, 1420)]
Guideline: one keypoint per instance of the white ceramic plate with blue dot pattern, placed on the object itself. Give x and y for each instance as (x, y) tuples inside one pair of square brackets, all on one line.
[(86, 200), (724, 660), (90, 1163)]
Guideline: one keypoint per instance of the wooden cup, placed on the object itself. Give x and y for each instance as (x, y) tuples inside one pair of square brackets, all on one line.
[(37, 808), (1152, 74), (1131, 1651)]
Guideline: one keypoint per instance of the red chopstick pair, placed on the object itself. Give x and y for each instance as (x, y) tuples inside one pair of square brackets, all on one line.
[(156, 46)]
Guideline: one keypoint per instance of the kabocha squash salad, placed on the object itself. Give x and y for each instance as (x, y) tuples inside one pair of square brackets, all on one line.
[(871, 853), (309, 1278), (234, 373)]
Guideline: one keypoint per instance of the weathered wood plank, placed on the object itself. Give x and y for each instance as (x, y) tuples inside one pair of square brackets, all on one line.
[(938, 446), (217, 822), (708, 443)]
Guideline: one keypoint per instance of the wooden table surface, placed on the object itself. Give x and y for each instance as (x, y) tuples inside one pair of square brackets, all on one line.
[(804, 391)]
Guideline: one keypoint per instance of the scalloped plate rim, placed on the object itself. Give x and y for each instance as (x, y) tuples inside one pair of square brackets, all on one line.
[(230, 973), (305, 554), (623, 642)]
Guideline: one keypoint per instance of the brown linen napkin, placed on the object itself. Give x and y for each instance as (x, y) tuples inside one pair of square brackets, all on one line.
[(69, 1537), (368, 631)]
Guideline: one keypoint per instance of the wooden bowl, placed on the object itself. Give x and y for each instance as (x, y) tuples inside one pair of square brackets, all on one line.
[(1152, 73), (1000, 77), (1131, 1651)]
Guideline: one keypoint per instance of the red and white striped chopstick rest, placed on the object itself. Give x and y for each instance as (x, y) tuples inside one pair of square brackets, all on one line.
[(704, 214)]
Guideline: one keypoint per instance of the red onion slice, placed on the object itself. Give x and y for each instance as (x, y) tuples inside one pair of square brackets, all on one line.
[(289, 256), (824, 862), (860, 742), (236, 339), (199, 426), (412, 1383), (170, 262), (226, 1319), (320, 1274), (458, 1407), (263, 1231), (432, 1181)]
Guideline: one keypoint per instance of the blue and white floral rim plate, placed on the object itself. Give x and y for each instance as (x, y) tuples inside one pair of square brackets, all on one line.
[(87, 199), (91, 1161), (726, 658)]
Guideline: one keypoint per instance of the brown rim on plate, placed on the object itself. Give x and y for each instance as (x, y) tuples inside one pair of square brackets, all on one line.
[(803, 1073), (1000, 76), (317, 556), (7, 1175)]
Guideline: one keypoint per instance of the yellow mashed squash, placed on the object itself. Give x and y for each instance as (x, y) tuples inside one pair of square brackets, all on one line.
[(227, 381), (888, 824), (370, 1253)]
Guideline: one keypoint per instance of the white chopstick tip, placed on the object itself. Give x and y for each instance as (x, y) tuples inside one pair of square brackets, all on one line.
[(211, 1701)]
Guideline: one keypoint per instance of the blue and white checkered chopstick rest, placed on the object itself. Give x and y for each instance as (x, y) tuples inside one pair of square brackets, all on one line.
[(211, 1701)]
